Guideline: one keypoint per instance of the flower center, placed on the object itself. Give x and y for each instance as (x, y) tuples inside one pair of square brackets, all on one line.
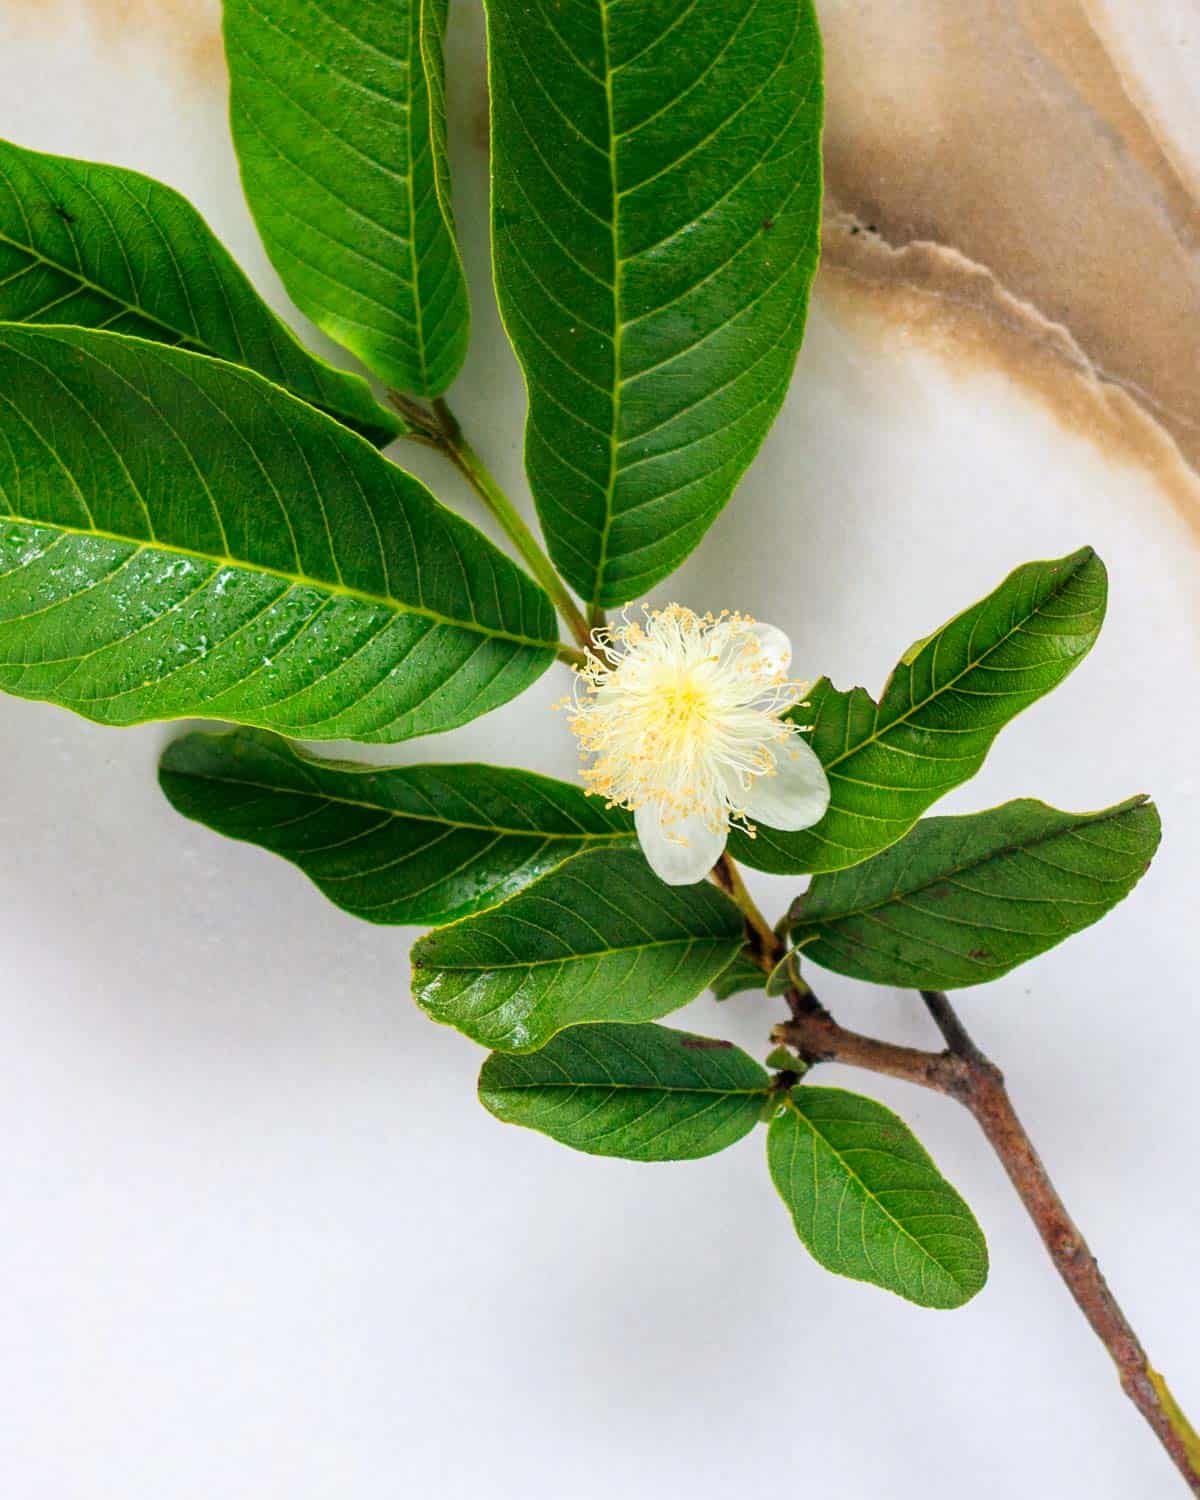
[(683, 711), (685, 707)]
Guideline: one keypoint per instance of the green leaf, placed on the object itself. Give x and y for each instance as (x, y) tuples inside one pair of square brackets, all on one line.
[(784, 976), (102, 247), (642, 1092), (964, 900), (785, 1061), (424, 844), (338, 119), (940, 711), (178, 537), (869, 1203), (742, 974), (656, 212), (599, 939)]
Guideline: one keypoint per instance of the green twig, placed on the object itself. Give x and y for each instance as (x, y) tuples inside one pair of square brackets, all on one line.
[(764, 946), (438, 426)]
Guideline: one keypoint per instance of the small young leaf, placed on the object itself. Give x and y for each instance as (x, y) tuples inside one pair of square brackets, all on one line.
[(178, 537), (940, 711), (869, 1203), (784, 975), (102, 247), (741, 975), (964, 900), (785, 1061), (337, 114), (656, 205), (642, 1092), (424, 844), (599, 939)]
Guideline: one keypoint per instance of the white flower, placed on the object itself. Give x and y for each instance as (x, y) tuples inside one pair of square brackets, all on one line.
[(681, 717)]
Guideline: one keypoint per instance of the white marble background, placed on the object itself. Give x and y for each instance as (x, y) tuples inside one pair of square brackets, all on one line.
[(257, 1237)]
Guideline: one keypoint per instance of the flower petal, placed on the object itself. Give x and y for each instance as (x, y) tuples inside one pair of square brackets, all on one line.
[(683, 851), (743, 644), (776, 646), (796, 796)]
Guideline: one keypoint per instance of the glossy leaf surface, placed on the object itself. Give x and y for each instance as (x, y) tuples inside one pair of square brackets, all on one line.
[(964, 900), (944, 704), (338, 120), (102, 247), (869, 1203), (599, 939), (423, 844), (656, 207), (646, 1093), (179, 538)]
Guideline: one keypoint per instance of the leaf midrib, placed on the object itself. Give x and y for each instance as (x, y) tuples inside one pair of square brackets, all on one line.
[(194, 342), (199, 345), (902, 896), (944, 1190), (414, 21), (614, 426), (541, 835), (642, 1088), (690, 941), (295, 580)]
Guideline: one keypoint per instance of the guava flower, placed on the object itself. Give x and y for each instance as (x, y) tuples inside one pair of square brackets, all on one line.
[(680, 720)]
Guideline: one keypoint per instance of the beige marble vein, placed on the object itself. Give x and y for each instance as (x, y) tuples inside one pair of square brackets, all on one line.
[(1016, 183), (1031, 209), (187, 31)]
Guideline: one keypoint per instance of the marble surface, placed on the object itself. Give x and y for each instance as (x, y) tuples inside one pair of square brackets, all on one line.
[(259, 1239)]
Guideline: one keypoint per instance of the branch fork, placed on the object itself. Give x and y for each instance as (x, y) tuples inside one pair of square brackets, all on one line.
[(963, 1072)]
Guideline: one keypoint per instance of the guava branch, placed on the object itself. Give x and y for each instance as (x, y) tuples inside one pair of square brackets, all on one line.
[(964, 1073), (437, 427), (761, 939)]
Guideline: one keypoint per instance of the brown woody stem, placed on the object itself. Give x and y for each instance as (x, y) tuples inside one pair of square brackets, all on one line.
[(963, 1072)]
